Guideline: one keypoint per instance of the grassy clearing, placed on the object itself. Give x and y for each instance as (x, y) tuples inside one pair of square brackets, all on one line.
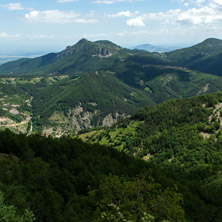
[(115, 136)]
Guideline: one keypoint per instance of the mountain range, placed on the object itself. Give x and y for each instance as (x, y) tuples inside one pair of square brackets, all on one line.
[(98, 83)]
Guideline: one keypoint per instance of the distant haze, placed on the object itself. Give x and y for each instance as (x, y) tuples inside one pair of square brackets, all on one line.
[(53, 24)]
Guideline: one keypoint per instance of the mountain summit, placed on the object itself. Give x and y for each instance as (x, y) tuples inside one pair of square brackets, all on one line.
[(84, 56), (98, 48), (212, 42)]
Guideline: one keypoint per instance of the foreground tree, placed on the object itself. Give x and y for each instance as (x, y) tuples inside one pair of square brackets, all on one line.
[(9, 213), (136, 200)]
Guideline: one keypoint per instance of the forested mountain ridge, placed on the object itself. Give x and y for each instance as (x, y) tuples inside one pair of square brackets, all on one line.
[(179, 178), (94, 84), (82, 57), (199, 116), (204, 57), (87, 56)]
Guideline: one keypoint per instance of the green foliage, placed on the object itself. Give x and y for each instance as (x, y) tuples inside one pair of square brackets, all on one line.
[(182, 137), (122, 200), (67, 180), (9, 213)]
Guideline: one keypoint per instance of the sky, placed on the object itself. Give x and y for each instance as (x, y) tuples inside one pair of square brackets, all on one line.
[(51, 25)]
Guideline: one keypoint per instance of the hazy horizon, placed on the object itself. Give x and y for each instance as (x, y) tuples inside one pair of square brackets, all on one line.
[(32, 50), (51, 25)]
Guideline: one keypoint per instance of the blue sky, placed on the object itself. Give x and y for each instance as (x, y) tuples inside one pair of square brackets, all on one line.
[(53, 24)]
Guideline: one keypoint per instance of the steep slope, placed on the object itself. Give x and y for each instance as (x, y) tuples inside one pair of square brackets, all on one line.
[(210, 64), (205, 57)]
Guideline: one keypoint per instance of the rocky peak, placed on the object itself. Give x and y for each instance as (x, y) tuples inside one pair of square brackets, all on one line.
[(82, 41), (103, 49), (72, 50)]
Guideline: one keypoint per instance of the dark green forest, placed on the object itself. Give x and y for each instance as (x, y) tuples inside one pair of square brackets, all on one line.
[(182, 137), (68, 180)]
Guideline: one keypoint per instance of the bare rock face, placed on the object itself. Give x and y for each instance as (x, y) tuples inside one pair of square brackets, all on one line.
[(109, 120), (77, 119), (14, 111), (104, 53), (83, 120), (72, 50)]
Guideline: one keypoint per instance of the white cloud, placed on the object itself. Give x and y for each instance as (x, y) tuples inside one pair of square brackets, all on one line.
[(56, 16), (189, 2), (7, 36), (204, 15), (64, 1), (51, 16), (3, 34), (123, 14), (85, 21), (135, 22), (36, 36), (109, 2), (13, 6), (218, 2)]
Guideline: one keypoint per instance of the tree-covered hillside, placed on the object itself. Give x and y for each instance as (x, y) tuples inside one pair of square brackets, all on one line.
[(204, 57), (182, 135), (64, 104), (68, 180), (169, 132)]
